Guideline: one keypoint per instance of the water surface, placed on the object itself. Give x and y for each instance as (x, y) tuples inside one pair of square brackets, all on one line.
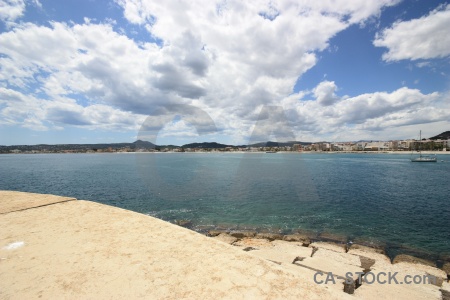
[(381, 198)]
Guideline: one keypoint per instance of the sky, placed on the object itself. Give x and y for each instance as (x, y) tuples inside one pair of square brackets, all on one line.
[(228, 71)]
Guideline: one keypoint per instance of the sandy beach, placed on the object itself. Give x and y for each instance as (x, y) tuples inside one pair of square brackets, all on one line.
[(61, 247)]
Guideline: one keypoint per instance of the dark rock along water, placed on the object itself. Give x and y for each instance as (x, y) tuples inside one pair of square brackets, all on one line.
[(376, 198)]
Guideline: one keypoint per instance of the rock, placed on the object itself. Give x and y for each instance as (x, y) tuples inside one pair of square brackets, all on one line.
[(369, 242), (445, 294), (184, 223), (413, 260), (226, 238), (249, 249), (306, 232), (243, 234), (446, 268), (349, 287), (216, 232), (333, 238), (269, 236), (366, 248), (297, 238), (445, 257)]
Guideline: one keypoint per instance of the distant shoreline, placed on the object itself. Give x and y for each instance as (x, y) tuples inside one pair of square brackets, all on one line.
[(246, 152)]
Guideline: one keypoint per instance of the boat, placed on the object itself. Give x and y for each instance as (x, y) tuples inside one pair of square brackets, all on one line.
[(423, 158)]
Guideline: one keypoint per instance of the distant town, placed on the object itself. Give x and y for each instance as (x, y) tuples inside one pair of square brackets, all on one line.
[(440, 142)]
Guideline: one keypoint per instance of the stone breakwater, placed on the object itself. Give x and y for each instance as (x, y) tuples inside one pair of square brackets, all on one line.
[(61, 247), (389, 249), (349, 265)]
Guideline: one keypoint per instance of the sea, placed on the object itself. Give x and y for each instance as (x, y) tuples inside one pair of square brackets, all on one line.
[(371, 198)]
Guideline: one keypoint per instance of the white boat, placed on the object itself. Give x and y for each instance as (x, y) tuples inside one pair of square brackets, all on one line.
[(423, 158)]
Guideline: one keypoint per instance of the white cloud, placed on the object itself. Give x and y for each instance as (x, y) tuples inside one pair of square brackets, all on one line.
[(38, 114), (423, 64), (244, 47), (88, 59), (178, 129), (37, 3), (423, 38), (230, 60), (10, 10), (352, 118), (325, 93)]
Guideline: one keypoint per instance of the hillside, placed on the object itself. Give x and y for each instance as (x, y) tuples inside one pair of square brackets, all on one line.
[(278, 144), (443, 136), (205, 145)]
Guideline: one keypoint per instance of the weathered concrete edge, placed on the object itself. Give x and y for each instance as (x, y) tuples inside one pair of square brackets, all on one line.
[(37, 206)]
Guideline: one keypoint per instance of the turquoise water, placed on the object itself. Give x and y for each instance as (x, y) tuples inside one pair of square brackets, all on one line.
[(379, 198)]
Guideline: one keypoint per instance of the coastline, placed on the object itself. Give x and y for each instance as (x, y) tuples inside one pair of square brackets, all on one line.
[(246, 152), (389, 249), (58, 246)]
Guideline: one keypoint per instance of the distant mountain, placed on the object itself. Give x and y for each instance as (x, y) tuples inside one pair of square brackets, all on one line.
[(68, 146), (206, 145), (79, 147), (139, 144), (278, 144), (443, 136), (143, 144)]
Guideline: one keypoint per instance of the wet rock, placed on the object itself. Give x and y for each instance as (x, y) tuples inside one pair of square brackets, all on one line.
[(368, 242), (269, 236), (226, 238), (333, 238), (414, 260), (306, 232), (445, 257), (184, 223), (216, 232), (243, 234), (298, 238), (203, 229), (366, 248), (446, 268)]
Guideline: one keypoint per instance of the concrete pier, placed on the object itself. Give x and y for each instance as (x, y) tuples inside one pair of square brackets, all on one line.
[(59, 247)]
